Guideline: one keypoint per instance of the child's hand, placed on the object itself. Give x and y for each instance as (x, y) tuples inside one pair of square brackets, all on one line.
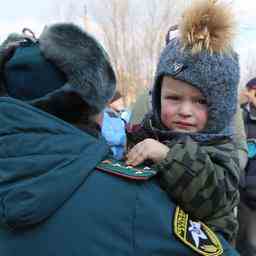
[(148, 149)]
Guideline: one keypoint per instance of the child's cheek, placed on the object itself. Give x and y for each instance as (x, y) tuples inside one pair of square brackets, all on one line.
[(202, 119), (166, 118)]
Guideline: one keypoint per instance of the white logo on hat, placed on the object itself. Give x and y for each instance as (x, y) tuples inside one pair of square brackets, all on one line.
[(177, 67)]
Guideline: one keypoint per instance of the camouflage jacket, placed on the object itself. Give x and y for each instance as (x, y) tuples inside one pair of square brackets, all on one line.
[(202, 178)]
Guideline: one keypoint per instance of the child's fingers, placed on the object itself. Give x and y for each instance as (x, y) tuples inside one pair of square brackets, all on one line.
[(132, 158), (131, 154), (136, 161), (136, 156)]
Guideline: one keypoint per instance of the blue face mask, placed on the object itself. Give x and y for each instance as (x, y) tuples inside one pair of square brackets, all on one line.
[(251, 148), (113, 130)]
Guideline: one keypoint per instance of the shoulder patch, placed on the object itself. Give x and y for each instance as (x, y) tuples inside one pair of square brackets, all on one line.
[(120, 169), (196, 235)]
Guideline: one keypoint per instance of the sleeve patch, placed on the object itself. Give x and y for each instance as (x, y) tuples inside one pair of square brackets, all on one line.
[(196, 235)]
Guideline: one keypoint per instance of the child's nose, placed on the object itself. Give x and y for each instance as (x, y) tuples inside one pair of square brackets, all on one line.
[(185, 108)]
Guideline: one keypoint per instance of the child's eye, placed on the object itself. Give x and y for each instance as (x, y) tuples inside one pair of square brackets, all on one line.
[(172, 97), (201, 101)]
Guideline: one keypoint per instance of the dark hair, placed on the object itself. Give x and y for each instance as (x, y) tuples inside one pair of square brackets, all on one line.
[(117, 96), (251, 83)]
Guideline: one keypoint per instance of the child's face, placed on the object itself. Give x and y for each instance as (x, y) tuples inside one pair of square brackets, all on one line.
[(252, 92), (183, 107)]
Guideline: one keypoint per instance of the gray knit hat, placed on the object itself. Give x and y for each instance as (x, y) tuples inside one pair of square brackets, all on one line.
[(203, 57), (65, 60)]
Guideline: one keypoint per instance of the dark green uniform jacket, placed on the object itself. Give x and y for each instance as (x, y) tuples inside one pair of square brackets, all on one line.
[(55, 202)]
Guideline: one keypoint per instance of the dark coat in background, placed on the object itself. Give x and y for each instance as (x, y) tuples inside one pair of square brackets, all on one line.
[(246, 241)]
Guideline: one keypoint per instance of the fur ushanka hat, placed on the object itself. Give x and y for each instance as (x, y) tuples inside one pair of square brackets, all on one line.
[(64, 61), (203, 56)]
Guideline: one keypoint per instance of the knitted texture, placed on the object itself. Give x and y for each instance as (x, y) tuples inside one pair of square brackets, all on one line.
[(215, 75)]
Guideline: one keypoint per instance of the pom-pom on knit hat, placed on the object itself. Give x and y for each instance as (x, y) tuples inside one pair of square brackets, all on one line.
[(203, 56)]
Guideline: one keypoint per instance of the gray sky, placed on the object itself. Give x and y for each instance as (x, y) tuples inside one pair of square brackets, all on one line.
[(34, 14), (17, 14)]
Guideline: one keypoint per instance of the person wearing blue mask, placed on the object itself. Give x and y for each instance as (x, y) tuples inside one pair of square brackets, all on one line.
[(113, 128)]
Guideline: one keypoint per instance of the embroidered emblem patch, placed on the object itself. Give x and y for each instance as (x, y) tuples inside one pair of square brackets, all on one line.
[(177, 68), (119, 168), (196, 235)]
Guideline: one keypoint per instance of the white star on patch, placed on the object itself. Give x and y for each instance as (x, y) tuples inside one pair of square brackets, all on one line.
[(117, 165), (196, 232)]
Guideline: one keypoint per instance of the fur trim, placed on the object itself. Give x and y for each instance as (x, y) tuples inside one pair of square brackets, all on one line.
[(83, 61), (208, 25)]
